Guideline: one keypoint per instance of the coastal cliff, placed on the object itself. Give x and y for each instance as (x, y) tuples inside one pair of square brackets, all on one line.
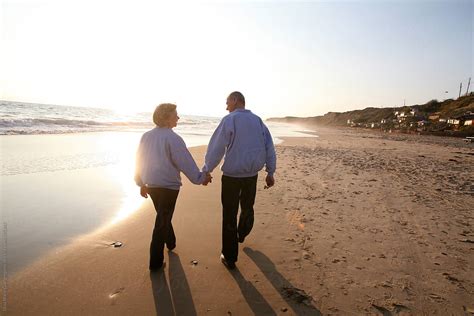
[(449, 117)]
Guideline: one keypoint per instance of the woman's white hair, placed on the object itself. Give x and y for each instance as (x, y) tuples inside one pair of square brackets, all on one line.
[(162, 113)]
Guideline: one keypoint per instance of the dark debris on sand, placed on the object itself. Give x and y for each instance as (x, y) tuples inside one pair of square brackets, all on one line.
[(297, 295)]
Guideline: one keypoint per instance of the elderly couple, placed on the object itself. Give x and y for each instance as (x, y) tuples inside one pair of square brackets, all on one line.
[(246, 145)]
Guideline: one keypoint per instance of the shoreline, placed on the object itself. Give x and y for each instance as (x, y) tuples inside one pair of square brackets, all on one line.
[(452, 134), (103, 159), (110, 225), (347, 229)]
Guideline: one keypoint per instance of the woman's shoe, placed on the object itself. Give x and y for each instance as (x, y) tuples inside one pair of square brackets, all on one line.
[(157, 267), (229, 264)]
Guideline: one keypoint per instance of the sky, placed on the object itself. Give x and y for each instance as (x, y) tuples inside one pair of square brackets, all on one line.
[(288, 58)]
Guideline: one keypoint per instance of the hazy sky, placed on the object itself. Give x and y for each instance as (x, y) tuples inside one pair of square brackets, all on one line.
[(288, 58)]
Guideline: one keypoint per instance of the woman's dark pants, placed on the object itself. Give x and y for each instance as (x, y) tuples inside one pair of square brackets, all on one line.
[(164, 201)]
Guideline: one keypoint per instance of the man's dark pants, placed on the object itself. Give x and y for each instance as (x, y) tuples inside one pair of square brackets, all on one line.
[(236, 191), (164, 201)]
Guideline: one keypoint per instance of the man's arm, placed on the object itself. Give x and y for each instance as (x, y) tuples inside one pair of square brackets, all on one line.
[(217, 146), (270, 161)]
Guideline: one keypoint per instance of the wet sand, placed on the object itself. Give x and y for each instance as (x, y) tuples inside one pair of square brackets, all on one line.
[(358, 223)]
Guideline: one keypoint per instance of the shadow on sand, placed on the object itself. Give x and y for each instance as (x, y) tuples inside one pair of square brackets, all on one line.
[(256, 301), (295, 298), (175, 299)]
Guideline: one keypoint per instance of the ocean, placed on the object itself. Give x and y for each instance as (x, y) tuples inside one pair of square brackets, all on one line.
[(67, 171), (18, 118)]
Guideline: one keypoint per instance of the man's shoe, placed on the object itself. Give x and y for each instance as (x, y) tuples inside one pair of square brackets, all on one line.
[(229, 264), (170, 247), (240, 238)]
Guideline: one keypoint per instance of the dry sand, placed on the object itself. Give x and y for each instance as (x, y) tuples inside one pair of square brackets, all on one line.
[(358, 223)]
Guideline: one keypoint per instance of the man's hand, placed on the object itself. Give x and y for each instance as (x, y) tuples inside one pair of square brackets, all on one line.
[(144, 191), (270, 181), (208, 179)]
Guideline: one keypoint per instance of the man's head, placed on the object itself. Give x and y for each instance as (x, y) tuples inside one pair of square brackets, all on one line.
[(235, 100)]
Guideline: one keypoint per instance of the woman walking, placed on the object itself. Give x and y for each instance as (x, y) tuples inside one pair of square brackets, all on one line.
[(161, 156)]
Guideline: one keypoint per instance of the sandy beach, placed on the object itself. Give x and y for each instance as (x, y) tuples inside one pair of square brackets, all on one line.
[(358, 223)]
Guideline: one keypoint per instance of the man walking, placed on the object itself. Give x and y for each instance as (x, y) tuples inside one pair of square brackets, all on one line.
[(248, 146)]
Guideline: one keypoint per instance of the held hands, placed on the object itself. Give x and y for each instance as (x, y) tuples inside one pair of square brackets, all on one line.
[(270, 181), (144, 191), (208, 179)]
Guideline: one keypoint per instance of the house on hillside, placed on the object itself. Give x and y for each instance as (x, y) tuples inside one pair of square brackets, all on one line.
[(453, 121), (434, 116), (402, 116), (461, 120), (351, 123), (468, 118)]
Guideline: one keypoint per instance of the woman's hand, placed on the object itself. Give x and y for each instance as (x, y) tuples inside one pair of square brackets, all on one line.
[(144, 191), (208, 179)]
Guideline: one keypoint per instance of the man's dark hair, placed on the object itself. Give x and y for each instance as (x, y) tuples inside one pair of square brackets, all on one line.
[(239, 96)]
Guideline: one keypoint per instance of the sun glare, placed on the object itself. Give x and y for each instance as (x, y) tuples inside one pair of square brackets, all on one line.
[(125, 111), (123, 147), (131, 200)]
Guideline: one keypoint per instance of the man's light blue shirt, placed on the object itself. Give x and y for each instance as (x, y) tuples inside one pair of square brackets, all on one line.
[(246, 143)]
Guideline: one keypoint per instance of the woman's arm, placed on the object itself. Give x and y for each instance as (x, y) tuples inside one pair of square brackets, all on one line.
[(139, 163), (183, 160)]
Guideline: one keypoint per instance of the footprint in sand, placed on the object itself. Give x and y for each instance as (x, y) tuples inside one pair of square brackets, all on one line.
[(116, 292)]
